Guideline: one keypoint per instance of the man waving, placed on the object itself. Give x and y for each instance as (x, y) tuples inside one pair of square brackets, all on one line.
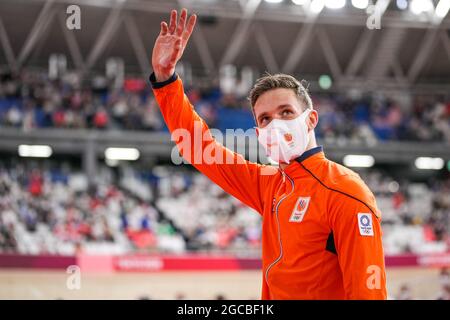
[(321, 225)]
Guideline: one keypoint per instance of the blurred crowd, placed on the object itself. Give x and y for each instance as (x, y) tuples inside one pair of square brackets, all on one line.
[(416, 215), (48, 210), (57, 212), (32, 100)]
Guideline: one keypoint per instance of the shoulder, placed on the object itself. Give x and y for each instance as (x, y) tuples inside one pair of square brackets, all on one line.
[(349, 187)]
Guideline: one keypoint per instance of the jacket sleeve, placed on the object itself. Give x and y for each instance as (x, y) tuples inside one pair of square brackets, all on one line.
[(229, 170), (358, 241)]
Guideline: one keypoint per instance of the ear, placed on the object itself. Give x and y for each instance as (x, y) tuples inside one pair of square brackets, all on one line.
[(312, 119)]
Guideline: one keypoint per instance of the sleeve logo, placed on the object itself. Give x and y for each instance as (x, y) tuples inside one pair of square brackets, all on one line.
[(365, 224)]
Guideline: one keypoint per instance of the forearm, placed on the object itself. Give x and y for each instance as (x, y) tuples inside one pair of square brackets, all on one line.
[(226, 168), (188, 129)]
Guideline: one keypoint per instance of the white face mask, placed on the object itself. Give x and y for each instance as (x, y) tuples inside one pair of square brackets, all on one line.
[(285, 140)]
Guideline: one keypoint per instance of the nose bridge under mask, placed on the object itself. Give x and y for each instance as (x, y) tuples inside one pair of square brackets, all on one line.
[(282, 123), (285, 139)]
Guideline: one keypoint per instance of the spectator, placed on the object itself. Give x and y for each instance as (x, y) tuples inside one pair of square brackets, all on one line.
[(101, 118)]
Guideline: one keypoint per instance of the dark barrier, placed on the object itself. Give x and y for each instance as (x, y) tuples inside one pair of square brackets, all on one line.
[(36, 262), (187, 262)]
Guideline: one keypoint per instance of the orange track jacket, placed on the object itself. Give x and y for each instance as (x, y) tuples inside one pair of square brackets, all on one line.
[(321, 234)]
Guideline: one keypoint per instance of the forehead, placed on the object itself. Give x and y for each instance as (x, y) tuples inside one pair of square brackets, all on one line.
[(270, 100)]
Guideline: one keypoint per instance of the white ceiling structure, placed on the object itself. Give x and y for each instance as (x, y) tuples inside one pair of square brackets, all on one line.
[(409, 50)]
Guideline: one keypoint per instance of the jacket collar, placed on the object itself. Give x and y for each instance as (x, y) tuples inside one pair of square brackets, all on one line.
[(309, 153), (308, 157)]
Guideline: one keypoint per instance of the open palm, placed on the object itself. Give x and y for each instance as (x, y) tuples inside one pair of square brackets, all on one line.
[(170, 44)]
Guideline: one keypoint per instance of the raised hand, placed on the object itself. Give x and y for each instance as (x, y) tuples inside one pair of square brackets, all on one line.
[(170, 44)]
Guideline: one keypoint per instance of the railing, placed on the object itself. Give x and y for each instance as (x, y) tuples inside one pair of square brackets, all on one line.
[(184, 262), (78, 142)]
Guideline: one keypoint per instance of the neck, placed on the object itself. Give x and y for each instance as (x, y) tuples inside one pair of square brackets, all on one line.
[(312, 144)]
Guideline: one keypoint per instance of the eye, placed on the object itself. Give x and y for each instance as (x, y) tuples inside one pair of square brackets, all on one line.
[(264, 120), (286, 112)]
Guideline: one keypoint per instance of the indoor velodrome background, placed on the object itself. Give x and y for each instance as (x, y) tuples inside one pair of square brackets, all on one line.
[(93, 201)]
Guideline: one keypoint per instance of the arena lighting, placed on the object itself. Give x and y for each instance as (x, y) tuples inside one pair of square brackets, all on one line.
[(325, 82), (360, 4), (335, 4), (359, 160), (130, 154), (35, 151), (316, 6), (429, 163), (419, 6), (402, 4), (442, 8), (300, 2), (273, 1)]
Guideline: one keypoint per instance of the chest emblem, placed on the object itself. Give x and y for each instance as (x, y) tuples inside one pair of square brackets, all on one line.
[(300, 209)]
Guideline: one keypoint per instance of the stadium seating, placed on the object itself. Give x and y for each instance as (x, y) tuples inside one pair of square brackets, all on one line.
[(56, 211), (31, 100)]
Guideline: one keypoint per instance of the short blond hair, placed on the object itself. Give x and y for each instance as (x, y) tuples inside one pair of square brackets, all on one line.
[(280, 80)]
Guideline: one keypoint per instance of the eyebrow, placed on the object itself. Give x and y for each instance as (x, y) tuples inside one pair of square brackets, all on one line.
[(281, 106)]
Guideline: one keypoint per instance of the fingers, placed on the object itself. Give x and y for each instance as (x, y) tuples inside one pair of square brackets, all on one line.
[(181, 29), (182, 22), (190, 27), (164, 28), (175, 53), (173, 21)]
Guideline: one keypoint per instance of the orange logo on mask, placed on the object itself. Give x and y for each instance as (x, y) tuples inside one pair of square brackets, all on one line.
[(288, 137)]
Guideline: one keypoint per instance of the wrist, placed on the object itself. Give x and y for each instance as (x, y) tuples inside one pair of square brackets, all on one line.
[(160, 84), (162, 76)]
